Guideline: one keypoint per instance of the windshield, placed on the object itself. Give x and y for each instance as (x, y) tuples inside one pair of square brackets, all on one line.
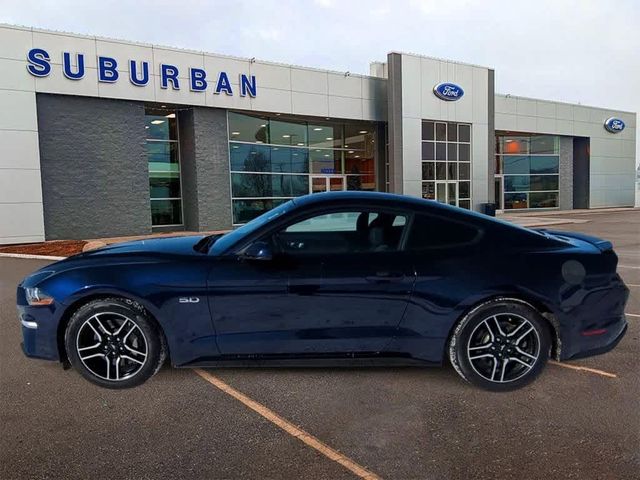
[(230, 238)]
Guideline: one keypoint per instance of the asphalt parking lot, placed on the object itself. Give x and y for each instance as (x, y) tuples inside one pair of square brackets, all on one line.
[(393, 423)]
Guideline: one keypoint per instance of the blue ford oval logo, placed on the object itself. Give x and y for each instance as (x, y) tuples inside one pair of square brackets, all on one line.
[(448, 91), (614, 125)]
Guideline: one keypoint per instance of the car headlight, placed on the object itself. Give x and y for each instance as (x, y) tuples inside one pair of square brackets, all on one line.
[(37, 297)]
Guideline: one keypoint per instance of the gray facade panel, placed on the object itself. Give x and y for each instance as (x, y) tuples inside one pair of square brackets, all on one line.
[(188, 169), (95, 179), (491, 164), (566, 173), (394, 101), (209, 187)]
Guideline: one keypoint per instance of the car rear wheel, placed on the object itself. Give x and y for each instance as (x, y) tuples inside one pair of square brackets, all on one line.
[(113, 343), (501, 345)]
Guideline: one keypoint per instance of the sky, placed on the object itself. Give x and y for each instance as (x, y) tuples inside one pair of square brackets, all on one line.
[(580, 51)]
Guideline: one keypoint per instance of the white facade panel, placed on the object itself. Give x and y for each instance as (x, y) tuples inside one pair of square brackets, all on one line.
[(18, 185), (309, 104), (19, 149), (21, 222), (411, 87), (345, 107), (344, 86), (309, 81), (272, 100), (15, 76), (272, 76), (18, 110), (14, 42)]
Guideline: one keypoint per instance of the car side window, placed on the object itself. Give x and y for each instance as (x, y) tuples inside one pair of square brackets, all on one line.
[(343, 232), (436, 232)]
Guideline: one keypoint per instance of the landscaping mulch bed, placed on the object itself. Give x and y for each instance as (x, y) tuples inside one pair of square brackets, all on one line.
[(61, 248)]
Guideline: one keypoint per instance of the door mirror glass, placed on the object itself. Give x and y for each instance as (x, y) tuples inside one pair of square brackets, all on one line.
[(258, 251)]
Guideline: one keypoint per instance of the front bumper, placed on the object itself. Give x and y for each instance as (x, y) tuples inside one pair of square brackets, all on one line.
[(39, 329)]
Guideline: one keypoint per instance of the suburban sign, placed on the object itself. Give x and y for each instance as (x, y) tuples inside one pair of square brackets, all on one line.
[(448, 91), (614, 125), (73, 68)]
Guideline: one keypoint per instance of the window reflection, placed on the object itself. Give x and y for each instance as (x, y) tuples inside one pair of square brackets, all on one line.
[(527, 168), (261, 146), (164, 167)]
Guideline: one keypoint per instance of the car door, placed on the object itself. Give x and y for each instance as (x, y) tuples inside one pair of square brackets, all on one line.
[(251, 307), (366, 280)]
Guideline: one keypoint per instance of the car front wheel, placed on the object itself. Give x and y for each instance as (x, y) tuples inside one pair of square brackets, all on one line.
[(113, 343), (501, 345)]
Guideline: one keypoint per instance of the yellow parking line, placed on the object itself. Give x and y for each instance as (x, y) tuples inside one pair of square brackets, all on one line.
[(584, 369), (290, 428)]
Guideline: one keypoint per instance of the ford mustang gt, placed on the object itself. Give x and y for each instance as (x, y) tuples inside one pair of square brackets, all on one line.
[(332, 279)]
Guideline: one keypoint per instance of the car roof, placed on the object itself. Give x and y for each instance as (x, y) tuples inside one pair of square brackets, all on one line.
[(379, 198), (403, 201)]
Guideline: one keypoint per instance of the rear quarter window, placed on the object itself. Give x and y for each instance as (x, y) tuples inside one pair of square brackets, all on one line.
[(436, 232)]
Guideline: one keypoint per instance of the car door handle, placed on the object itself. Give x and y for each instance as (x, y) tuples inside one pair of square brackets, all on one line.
[(386, 277)]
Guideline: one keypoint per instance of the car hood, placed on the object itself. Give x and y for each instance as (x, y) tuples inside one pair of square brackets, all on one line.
[(166, 245), (139, 251)]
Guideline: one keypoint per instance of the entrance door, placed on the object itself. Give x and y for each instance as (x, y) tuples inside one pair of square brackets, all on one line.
[(447, 192), (327, 183)]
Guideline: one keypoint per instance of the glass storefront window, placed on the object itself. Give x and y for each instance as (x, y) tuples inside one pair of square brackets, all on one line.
[(166, 212), (246, 128), (325, 161), (545, 144), (543, 200), (446, 157), (515, 165), (546, 164), (288, 133), (335, 155), (527, 171), (246, 210), (268, 185), (326, 135), (515, 200), (159, 125), (163, 158)]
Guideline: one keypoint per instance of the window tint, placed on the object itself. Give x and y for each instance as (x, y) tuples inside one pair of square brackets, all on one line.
[(432, 232), (343, 232)]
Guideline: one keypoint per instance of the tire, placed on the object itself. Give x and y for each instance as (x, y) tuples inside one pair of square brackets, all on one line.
[(113, 343), (501, 345)]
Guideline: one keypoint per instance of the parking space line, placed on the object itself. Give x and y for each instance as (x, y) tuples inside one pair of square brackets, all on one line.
[(584, 369), (629, 266), (632, 314), (632, 285), (290, 428)]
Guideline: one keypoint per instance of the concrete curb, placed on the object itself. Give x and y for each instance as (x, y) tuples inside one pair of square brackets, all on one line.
[(27, 256)]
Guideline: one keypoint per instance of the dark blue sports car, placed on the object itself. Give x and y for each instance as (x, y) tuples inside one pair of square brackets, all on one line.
[(332, 279)]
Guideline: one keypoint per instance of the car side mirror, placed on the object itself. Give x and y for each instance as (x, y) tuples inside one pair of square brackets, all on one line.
[(258, 251)]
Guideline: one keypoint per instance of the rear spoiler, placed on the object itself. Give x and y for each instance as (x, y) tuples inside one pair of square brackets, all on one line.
[(600, 244)]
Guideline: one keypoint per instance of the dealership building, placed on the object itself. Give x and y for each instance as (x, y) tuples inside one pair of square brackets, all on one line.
[(103, 137)]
